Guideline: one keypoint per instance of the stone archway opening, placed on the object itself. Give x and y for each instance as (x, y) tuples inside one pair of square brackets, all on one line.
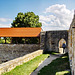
[(61, 42)]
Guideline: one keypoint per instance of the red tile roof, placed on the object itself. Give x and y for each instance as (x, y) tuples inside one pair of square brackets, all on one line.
[(20, 32)]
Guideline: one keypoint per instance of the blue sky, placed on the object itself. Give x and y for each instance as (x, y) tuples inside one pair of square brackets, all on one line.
[(43, 8)]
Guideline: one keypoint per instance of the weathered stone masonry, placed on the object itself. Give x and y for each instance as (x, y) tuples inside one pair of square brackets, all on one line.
[(50, 39), (71, 46), (12, 51), (42, 39)]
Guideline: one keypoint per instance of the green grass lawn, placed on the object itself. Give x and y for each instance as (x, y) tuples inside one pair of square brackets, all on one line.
[(29, 67), (57, 67)]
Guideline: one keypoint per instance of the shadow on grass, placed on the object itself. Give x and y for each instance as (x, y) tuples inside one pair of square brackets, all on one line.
[(68, 73), (50, 52), (57, 66)]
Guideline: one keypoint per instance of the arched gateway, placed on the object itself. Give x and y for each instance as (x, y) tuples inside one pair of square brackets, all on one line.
[(50, 39)]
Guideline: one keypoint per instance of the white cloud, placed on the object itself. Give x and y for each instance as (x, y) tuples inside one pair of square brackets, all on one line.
[(5, 19), (5, 22), (57, 17), (5, 25)]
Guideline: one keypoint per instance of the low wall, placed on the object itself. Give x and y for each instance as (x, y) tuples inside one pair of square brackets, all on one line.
[(12, 51), (8, 66)]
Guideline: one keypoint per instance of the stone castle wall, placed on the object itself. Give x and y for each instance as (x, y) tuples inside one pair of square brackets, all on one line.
[(12, 51), (50, 40), (53, 38), (71, 46), (42, 39)]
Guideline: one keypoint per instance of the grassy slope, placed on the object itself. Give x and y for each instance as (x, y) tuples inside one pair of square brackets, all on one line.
[(57, 67), (28, 67)]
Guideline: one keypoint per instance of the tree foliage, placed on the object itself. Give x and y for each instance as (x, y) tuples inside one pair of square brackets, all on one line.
[(28, 19)]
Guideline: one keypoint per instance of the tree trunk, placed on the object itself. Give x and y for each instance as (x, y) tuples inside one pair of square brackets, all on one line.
[(5, 39)]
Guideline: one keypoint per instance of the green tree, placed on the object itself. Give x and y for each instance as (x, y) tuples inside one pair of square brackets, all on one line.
[(28, 19)]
